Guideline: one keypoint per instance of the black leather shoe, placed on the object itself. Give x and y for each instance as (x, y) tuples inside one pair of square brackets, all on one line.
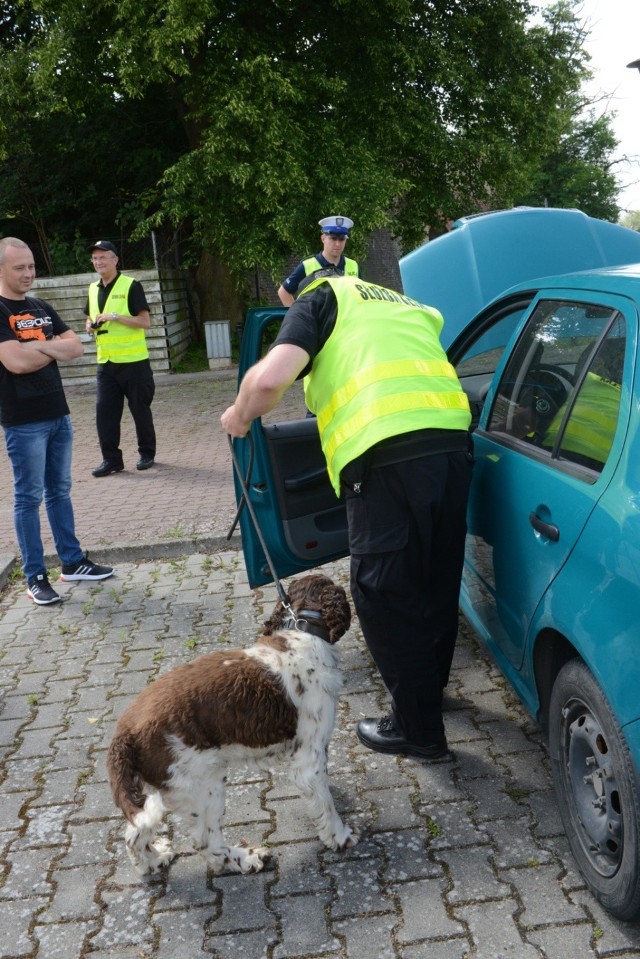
[(106, 469), (382, 736), (145, 463)]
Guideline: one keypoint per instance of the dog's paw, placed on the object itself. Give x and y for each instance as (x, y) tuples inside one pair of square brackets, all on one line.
[(344, 839), (250, 860), (164, 853), (243, 858), (151, 858)]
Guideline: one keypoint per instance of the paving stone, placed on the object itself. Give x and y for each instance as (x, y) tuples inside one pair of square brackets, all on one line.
[(18, 918), (613, 937), (304, 928), (64, 939), (358, 888), (298, 870), (45, 826), (515, 844), (473, 876), (393, 807), (560, 942), (74, 895), (452, 826), (423, 910), (495, 931), (537, 888), (406, 855), (240, 945), (125, 919), (368, 937), (182, 934), (455, 947), (27, 872)]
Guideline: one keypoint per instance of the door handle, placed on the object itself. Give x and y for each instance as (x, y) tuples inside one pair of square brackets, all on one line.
[(547, 529)]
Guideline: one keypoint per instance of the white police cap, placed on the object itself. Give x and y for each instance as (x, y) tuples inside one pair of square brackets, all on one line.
[(336, 224)]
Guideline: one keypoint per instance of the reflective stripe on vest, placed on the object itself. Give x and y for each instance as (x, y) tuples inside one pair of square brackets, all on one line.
[(119, 344), (592, 421), (381, 373), (312, 264)]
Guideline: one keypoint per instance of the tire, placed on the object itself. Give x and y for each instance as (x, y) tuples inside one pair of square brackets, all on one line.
[(597, 788)]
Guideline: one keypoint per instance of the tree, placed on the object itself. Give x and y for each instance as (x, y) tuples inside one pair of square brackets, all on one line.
[(632, 220), (404, 113), (577, 172)]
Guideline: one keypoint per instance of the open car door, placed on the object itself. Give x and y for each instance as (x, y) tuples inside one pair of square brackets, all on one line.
[(302, 522)]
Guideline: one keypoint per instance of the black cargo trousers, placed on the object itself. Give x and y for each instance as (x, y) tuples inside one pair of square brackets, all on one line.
[(407, 527), (115, 382)]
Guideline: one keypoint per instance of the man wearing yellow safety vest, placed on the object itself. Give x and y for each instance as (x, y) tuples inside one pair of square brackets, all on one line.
[(118, 313), (393, 423), (335, 233)]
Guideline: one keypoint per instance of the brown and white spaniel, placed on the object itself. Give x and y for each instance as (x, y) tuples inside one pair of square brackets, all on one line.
[(176, 743)]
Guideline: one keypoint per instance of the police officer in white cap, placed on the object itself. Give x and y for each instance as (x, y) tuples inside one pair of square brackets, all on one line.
[(334, 235)]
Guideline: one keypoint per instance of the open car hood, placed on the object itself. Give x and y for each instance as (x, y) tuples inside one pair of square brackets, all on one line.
[(484, 255)]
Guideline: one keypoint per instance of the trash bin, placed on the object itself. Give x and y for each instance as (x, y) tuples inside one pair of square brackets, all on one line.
[(218, 340)]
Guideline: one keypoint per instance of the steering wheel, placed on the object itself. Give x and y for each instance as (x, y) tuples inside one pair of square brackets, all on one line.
[(549, 388)]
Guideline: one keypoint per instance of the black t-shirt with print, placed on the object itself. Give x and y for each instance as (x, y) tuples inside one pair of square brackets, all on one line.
[(30, 397)]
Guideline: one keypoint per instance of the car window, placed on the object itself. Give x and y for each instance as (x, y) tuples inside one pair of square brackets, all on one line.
[(560, 391), (477, 359)]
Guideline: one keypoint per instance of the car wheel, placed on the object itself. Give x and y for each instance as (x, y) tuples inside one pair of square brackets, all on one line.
[(597, 788)]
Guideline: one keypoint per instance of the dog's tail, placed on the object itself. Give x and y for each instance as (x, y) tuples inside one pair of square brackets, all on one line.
[(124, 778)]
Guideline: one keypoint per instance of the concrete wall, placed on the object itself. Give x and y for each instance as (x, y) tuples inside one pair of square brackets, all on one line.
[(170, 332)]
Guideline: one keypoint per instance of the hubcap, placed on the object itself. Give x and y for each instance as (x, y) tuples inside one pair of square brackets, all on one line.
[(591, 775)]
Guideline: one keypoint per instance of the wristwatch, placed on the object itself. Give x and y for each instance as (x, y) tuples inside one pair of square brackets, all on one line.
[(113, 316)]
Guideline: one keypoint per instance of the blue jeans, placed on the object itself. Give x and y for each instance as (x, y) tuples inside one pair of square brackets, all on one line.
[(40, 455)]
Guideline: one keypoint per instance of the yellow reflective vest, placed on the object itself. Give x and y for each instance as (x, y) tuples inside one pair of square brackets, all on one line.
[(311, 264), (116, 342), (381, 373), (592, 422)]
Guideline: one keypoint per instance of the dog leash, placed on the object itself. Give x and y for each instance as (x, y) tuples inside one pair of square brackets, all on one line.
[(304, 621), (245, 501)]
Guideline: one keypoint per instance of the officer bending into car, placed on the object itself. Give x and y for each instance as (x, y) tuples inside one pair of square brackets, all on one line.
[(393, 423)]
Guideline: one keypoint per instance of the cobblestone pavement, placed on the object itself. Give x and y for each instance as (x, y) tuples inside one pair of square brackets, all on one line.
[(458, 859), (185, 502)]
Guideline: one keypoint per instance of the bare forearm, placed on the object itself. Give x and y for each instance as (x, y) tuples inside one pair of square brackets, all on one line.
[(263, 387), (256, 398), (285, 297), (34, 355), (60, 348)]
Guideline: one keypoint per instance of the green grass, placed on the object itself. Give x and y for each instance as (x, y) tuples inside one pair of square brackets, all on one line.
[(195, 359)]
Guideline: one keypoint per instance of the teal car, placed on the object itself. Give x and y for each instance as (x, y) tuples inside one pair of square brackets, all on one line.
[(546, 348)]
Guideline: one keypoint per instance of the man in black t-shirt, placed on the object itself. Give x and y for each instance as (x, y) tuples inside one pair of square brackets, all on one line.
[(35, 418)]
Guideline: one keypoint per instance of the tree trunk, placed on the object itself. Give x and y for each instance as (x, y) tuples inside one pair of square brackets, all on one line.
[(381, 263), (218, 293)]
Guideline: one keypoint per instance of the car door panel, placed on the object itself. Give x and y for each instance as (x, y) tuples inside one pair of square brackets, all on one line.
[(314, 519), (301, 521), (527, 509), (511, 561)]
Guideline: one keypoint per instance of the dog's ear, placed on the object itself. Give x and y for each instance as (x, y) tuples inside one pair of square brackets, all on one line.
[(336, 611), (300, 593), (315, 592), (275, 621)]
